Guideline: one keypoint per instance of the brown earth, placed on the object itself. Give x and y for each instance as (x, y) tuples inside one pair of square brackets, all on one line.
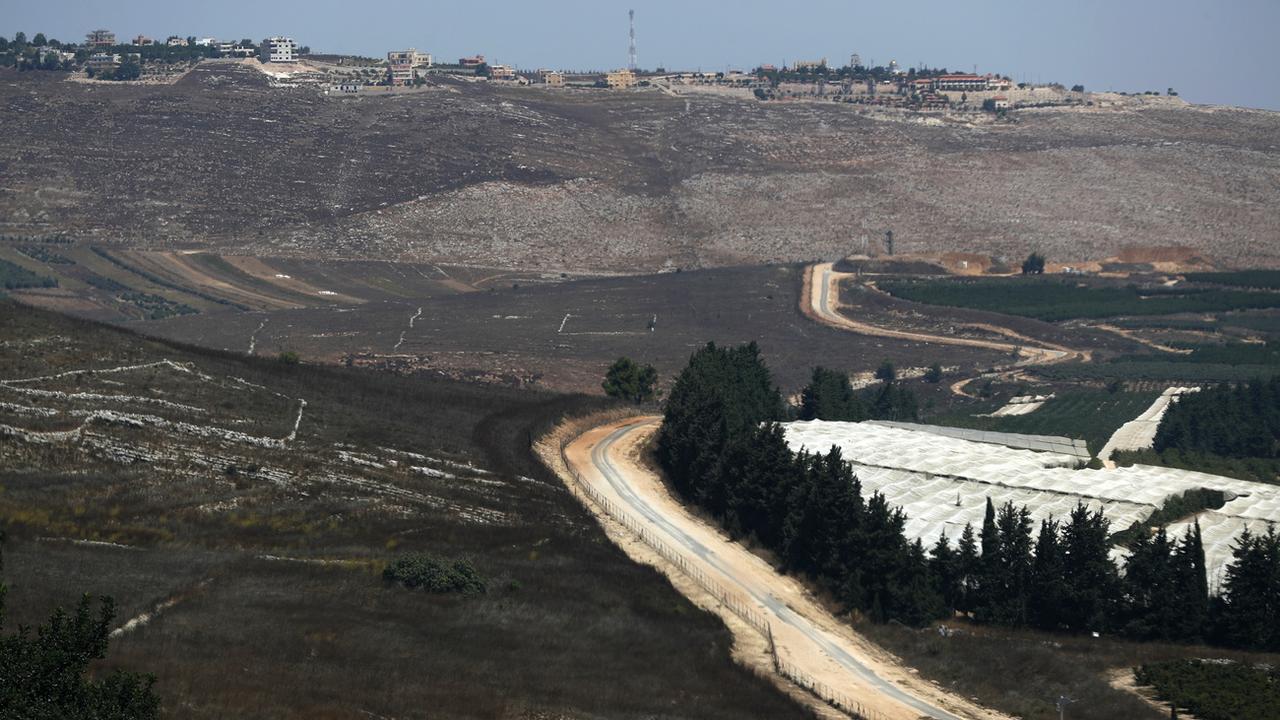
[(634, 182)]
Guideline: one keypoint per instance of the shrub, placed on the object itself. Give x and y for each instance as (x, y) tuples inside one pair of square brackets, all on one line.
[(1214, 690), (418, 570), (934, 374)]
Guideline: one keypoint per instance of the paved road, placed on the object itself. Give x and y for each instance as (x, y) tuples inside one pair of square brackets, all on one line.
[(815, 650)]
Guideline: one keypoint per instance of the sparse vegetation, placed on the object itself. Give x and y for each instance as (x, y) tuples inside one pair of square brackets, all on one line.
[(45, 674), (276, 570)]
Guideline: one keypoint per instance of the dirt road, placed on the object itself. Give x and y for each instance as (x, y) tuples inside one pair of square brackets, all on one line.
[(823, 298), (810, 644)]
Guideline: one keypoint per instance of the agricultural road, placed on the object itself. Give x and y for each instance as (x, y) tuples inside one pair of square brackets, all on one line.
[(809, 641), (823, 298)]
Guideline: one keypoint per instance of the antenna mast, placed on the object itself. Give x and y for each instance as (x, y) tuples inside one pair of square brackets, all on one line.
[(631, 52)]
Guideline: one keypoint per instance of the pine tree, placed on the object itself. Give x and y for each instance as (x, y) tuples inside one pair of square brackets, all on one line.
[(1251, 593), (970, 567), (944, 568), (1149, 584), (1093, 587), (989, 580), (1047, 578)]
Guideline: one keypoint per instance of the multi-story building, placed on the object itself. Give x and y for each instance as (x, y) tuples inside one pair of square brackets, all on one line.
[(100, 38), (402, 64), (400, 67), (809, 64), (502, 72), (102, 61), (175, 41), (278, 49), (960, 83), (207, 42), (620, 79), (143, 40), (551, 78), (471, 62)]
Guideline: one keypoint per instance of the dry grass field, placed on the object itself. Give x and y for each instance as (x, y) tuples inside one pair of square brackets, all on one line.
[(197, 487), (565, 335), (635, 181)]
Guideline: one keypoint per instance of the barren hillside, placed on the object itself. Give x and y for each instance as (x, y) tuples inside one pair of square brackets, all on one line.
[(631, 181)]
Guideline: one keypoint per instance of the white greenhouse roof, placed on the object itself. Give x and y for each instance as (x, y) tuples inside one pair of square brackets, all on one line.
[(942, 481)]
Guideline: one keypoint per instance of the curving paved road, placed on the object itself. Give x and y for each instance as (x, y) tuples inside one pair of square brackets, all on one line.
[(838, 659)]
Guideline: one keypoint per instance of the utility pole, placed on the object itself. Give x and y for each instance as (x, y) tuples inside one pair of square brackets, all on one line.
[(1063, 702), (888, 241)]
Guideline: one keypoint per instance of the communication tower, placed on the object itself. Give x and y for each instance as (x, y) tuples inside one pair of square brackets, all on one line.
[(631, 51), (855, 60)]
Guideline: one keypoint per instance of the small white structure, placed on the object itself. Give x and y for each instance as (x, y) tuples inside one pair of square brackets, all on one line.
[(278, 49)]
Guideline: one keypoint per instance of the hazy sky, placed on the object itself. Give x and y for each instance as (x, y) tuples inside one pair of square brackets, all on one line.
[(1210, 51)]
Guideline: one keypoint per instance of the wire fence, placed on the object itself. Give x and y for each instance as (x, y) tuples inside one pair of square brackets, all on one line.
[(736, 602)]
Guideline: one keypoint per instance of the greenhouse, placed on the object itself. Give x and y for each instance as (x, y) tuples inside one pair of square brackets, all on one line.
[(942, 481)]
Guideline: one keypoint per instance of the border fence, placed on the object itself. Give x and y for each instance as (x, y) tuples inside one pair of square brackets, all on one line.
[(736, 602)]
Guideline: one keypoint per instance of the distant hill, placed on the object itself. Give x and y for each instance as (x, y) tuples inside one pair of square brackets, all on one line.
[(633, 181)]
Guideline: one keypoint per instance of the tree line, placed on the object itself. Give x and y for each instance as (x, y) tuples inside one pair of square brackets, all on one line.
[(1239, 421), (721, 447)]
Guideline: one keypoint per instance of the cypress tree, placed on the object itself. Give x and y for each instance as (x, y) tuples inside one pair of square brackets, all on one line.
[(1047, 578), (970, 567), (944, 567)]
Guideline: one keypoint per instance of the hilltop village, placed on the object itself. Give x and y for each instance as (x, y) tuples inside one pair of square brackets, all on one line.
[(104, 57)]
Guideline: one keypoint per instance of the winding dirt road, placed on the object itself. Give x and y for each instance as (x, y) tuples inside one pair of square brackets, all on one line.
[(809, 643), (822, 299)]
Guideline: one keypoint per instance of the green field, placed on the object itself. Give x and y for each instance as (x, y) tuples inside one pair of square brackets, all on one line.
[(1244, 278), (13, 277), (1052, 299), (1225, 354), (1092, 415), (1157, 370)]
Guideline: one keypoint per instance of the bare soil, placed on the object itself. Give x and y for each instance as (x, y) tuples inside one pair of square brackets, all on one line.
[(637, 181)]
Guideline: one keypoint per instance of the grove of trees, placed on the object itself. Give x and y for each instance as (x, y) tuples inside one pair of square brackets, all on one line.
[(721, 447), (830, 396)]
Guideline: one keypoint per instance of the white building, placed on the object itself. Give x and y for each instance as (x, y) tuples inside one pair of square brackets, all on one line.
[(206, 42), (102, 61), (175, 41), (278, 49)]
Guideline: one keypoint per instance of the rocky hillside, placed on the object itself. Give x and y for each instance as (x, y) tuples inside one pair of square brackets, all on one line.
[(587, 180)]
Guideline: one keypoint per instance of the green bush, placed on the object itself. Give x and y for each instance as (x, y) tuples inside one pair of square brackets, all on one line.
[(418, 570), (1215, 690)]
